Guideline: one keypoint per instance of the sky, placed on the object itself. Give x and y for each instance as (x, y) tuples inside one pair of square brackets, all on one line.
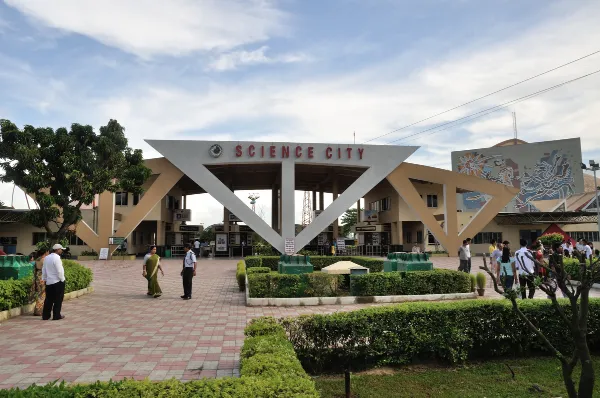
[(301, 70)]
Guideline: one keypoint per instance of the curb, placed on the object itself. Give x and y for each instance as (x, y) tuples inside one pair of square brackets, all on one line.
[(28, 308)]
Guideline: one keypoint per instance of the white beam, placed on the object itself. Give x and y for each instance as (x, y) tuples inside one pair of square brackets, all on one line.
[(288, 211)]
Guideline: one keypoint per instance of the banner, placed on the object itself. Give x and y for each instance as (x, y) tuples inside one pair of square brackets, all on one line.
[(289, 246), (221, 245)]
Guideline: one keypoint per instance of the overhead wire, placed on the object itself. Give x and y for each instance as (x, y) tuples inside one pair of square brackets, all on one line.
[(482, 97), (493, 109)]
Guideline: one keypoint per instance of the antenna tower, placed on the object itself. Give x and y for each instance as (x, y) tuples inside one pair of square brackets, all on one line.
[(306, 209), (514, 116)]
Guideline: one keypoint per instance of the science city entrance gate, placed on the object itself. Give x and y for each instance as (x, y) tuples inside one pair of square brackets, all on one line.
[(348, 172)]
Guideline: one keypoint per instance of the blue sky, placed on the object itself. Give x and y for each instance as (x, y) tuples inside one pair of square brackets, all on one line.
[(308, 71)]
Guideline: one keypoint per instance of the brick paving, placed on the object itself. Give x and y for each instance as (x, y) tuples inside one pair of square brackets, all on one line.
[(119, 332)]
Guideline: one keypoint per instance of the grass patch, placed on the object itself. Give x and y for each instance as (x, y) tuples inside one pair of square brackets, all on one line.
[(475, 379)]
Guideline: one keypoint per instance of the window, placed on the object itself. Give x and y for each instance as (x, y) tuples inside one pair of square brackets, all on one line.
[(136, 198), (432, 201), (134, 237), (430, 238), (74, 240), (381, 205), (39, 237), (419, 237), (121, 198), (141, 237), (408, 236), (170, 202), (590, 236), (487, 237)]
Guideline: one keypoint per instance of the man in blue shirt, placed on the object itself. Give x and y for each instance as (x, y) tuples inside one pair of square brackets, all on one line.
[(188, 271)]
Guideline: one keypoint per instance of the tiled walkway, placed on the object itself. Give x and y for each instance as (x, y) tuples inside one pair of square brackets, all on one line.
[(118, 331)]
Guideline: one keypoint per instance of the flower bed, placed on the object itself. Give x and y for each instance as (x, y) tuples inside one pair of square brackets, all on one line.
[(268, 368), (446, 332)]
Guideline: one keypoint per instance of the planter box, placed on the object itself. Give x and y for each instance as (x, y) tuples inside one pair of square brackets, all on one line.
[(28, 309), (438, 255), (127, 257), (87, 258)]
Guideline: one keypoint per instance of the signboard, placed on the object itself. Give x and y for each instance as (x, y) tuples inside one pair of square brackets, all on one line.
[(289, 246), (320, 240), (113, 240), (103, 254), (370, 215), (361, 239), (375, 239), (189, 228), (233, 218), (341, 244), (182, 215), (368, 228), (221, 242)]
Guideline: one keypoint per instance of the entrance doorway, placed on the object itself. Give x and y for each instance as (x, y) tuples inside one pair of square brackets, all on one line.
[(530, 235)]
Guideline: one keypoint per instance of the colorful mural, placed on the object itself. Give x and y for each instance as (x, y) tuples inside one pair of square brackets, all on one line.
[(551, 176)]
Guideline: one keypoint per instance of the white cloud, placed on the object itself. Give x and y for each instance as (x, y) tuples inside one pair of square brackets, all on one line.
[(233, 60), (150, 27)]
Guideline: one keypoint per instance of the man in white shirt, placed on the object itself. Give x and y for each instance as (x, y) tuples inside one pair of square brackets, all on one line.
[(197, 247), (526, 269), (463, 257), (53, 274), (580, 245), (188, 271), (496, 254), (587, 250), (469, 254)]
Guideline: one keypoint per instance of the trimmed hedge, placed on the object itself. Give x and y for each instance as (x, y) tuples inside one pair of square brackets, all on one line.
[(240, 275), (573, 269), (17, 293), (278, 285), (269, 368), (318, 262), (414, 332), (258, 270)]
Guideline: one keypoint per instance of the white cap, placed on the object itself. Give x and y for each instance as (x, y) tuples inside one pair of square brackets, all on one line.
[(57, 246)]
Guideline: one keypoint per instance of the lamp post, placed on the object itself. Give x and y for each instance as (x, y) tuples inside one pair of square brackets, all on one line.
[(594, 167)]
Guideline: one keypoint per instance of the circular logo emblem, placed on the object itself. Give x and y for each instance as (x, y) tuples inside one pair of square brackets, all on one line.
[(215, 150)]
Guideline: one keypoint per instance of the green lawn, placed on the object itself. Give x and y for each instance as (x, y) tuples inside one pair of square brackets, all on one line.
[(486, 379)]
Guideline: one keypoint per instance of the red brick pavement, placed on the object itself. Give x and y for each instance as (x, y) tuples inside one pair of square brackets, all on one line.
[(118, 331)]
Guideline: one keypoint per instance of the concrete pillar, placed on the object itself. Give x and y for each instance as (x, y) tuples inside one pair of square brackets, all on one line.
[(160, 233), (335, 195), (321, 201), (184, 202), (288, 213), (314, 200), (275, 207), (226, 219), (358, 211)]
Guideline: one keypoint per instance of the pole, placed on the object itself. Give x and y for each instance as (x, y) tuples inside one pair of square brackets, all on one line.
[(597, 207)]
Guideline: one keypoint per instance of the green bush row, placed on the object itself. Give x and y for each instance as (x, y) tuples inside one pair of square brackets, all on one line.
[(17, 293), (269, 368), (439, 281), (240, 275), (316, 284), (258, 270), (414, 332), (318, 262), (572, 266)]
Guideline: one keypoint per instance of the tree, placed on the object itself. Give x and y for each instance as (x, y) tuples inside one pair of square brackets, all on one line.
[(349, 219), (576, 319), (208, 234), (65, 169)]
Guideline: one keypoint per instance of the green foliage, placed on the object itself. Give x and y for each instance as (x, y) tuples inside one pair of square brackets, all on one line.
[(319, 284), (473, 280), (46, 245), (240, 275), (89, 253), (14, 293), (550, 239), (258, 270), (447, 332), (258, 285), (269, 368), (65, 169), (318, 262), (77, 276), (480, 278), (253, 262), (349, 219), (438, 281), (17, 293), (573, 268), (288, 286)]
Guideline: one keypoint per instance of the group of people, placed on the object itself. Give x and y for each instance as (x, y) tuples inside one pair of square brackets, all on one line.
[(48, 288), (515, 268), (152, 265)]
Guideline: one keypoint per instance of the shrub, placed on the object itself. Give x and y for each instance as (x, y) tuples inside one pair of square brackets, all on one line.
[(90, 253), (573, 268), (285, 286), (473, 282), (252, 262), (277, 285), (319, 284), (549, 239), (77, 276), (447, 332), (438, 281), (480, 280), (263, 326), (258, 285), (240, 275), (258, 270), (15, 293)]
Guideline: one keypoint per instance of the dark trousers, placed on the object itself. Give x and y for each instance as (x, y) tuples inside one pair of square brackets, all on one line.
[(188, 274), (54, 298), (469, 266), (463, 266), (507, 281), (527, 280)]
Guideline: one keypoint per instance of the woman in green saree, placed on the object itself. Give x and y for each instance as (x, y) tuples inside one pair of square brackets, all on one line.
[(151, 268)]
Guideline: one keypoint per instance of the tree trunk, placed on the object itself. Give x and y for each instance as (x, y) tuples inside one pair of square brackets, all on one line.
[(567, 372), (586, 380)]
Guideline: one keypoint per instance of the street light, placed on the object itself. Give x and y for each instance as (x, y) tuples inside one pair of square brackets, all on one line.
[(594, 167)]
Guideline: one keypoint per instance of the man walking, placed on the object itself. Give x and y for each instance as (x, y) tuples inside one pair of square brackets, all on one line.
[(463, 257), (188, 271), (526, 269), (197, 247), (469, 255), (53, 274)]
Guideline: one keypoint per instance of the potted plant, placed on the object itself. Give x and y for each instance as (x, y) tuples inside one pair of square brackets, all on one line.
[(480, 278), (473, 282)]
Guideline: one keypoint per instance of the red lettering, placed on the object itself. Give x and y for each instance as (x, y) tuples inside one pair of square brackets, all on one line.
[(328, 152), (262, 151), (238, 151), (298, 151), (272, 151), (349, 151), (339, 153), (251, 151), (311, 153), (285, 151), (360, 152)]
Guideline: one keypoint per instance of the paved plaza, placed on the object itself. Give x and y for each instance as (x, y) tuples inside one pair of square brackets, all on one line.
[(119, 332)]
